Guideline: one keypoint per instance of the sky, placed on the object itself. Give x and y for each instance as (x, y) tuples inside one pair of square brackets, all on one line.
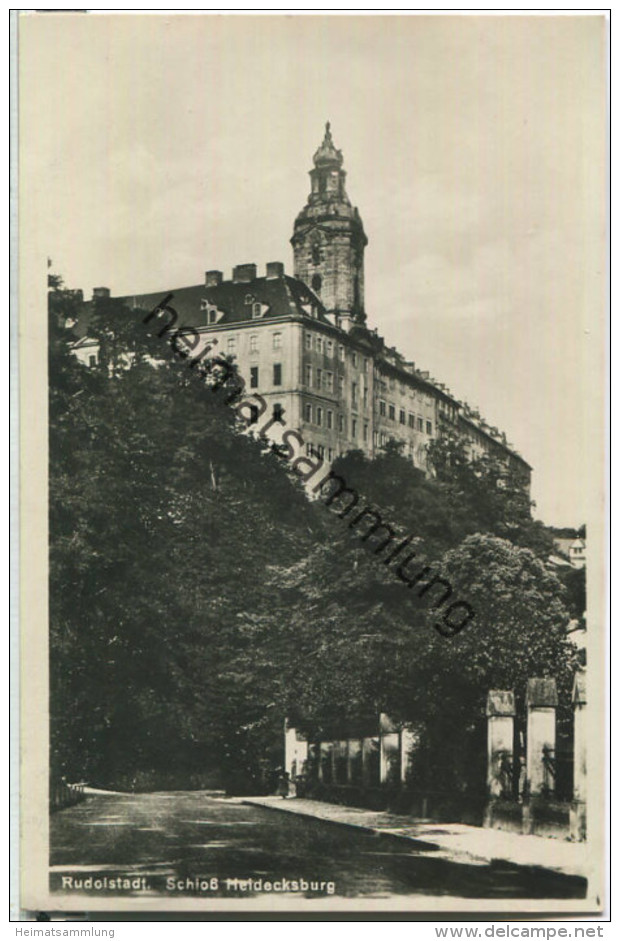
[(153, 148)]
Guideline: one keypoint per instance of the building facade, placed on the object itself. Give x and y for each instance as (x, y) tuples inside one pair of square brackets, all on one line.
[(303, 343)]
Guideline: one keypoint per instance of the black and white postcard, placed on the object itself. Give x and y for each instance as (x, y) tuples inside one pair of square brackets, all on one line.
[(312, 320)]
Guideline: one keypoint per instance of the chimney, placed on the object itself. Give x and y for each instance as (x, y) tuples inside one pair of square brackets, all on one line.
[(101, 292), (275, 269), (213, 278), (243, 273)]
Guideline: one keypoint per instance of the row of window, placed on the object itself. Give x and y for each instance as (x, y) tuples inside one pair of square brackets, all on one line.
[(325, 380), (317, 415), (318, 450), (276, 343), (276, 378), (389, 411), (322, 345)]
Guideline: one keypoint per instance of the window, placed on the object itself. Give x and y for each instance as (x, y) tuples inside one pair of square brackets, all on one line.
[(211, 315), (329, 381), (316, 255), (231, 346), (277, 374), (309, 449), (429, 428), (382, 408), (253, 377), (353, 427), (354, 358), (308, 413), (402, 417), (249, 299), (92, 359), (330, 419), (354, 393), (383, 438), (341, 424), (411, 420), (319, 378), (329, 348), (254, 414), (319, 344), (319, 415), (365, 433), (308, 341), (308, 374), (340, 386), (278, 412), (330, 454), (316, 282), (365, 397), (253, 343), (341, 353), (256, 311), (420, 424), (392, 413), (365, 365), (320, 450), (277, 341)]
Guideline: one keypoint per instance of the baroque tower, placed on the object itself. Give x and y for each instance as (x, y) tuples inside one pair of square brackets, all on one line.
[(329, 240)]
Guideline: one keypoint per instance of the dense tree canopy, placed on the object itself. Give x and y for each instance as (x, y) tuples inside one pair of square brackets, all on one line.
[(197, 596)]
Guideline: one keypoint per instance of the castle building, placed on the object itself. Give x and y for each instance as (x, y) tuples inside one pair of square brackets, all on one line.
[(303, 344)]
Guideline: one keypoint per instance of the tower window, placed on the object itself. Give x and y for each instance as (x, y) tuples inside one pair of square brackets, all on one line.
[(341, 353), (329, 348), (354, 358), (308, 341), (277, 374), (316, 255), (319, 344), (316, 282)]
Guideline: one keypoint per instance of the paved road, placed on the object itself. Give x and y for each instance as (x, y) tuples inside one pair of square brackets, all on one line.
[(187, 844)]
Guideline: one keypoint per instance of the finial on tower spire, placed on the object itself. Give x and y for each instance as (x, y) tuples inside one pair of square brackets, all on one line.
[(327, 153)]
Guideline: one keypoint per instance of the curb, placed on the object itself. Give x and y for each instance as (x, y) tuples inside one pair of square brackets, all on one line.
[(425, 845)]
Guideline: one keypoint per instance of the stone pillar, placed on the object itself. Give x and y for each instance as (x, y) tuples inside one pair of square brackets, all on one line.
[(370, 747), (295, 750), (409, 740), (354, 759), (541, 701), (500, 736), (578, 805), (389, 758)]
